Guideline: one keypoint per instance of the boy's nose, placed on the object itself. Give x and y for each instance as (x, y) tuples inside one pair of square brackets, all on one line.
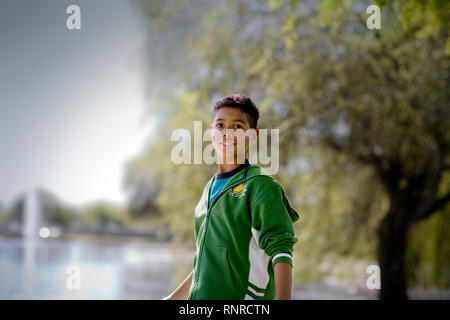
[(228, 132), (227, 135)]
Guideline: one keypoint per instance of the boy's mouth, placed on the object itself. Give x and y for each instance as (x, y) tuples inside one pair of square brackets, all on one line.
[(228, 144)]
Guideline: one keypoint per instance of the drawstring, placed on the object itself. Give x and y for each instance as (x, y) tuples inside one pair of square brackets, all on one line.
[(245, 172)]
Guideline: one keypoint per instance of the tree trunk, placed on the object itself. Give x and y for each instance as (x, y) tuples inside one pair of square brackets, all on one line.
[(391, 255)]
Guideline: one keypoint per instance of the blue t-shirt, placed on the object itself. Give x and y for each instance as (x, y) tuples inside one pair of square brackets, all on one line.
[(221, 180), (216, 187)]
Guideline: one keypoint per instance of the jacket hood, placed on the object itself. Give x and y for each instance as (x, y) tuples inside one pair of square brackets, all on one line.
[(254, 171)]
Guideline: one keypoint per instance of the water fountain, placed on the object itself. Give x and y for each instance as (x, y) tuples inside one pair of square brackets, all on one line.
[(30, 237)]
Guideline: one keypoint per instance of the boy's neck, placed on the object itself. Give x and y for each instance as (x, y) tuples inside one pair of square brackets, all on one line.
[(227, 167)]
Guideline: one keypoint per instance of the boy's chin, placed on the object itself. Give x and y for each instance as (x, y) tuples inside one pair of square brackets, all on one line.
[(223, 159)]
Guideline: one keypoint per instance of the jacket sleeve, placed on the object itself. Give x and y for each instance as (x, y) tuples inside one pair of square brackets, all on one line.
[(273, 217)]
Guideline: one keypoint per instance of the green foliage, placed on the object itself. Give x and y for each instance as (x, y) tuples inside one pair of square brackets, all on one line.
[(3, 214), (425, 19), (349, 102), (429, 252), (15, 212), (61, 215), (339, 210), (100, 214), (428, 255), (180, 186)]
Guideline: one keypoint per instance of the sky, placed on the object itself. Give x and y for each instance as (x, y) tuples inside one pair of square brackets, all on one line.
[(72, 103)]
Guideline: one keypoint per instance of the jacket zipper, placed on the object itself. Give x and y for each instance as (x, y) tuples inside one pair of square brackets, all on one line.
[(200, 254)]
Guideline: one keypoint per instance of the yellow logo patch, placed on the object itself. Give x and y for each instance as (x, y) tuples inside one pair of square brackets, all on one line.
[(238, 191)]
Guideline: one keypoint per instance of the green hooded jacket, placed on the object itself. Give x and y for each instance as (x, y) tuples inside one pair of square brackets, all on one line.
[(246, 230)]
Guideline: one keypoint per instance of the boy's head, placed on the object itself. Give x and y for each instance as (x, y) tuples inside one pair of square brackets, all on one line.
[(243, 103), (234, 115)]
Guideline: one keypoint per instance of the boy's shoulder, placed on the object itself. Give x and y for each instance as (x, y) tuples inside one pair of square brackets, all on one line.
[(260, 182), (261, 185)]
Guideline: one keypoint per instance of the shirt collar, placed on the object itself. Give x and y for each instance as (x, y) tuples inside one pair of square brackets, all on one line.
[(225, 175)]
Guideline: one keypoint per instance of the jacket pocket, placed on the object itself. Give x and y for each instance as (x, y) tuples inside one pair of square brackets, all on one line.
[(215, 277)]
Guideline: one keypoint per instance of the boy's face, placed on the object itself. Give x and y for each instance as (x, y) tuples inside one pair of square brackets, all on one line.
[(230, 136)]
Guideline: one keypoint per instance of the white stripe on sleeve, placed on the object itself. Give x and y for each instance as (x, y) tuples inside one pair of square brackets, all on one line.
[(282, 255)]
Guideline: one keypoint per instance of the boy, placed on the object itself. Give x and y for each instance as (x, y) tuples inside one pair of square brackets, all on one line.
[(243, 221)]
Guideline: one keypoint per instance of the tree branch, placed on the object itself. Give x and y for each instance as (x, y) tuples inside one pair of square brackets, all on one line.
[(438, 204), (431, 187)]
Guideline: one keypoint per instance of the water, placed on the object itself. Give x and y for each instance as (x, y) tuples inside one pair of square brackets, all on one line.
[(116, 269), (124, 269), (112, 270), (37, 266)]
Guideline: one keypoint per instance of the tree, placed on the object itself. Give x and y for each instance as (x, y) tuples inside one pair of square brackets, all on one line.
[(414, 158), (365, 108)]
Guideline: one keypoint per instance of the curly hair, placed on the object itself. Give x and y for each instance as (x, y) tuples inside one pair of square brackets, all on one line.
[(242, 102)]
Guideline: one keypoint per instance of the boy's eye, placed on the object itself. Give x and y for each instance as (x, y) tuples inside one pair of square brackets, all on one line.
[(219, 125), (238, 126)]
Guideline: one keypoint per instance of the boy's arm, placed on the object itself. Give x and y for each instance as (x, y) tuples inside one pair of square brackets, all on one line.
[(273, 217), (182, 292), (283, 280)]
